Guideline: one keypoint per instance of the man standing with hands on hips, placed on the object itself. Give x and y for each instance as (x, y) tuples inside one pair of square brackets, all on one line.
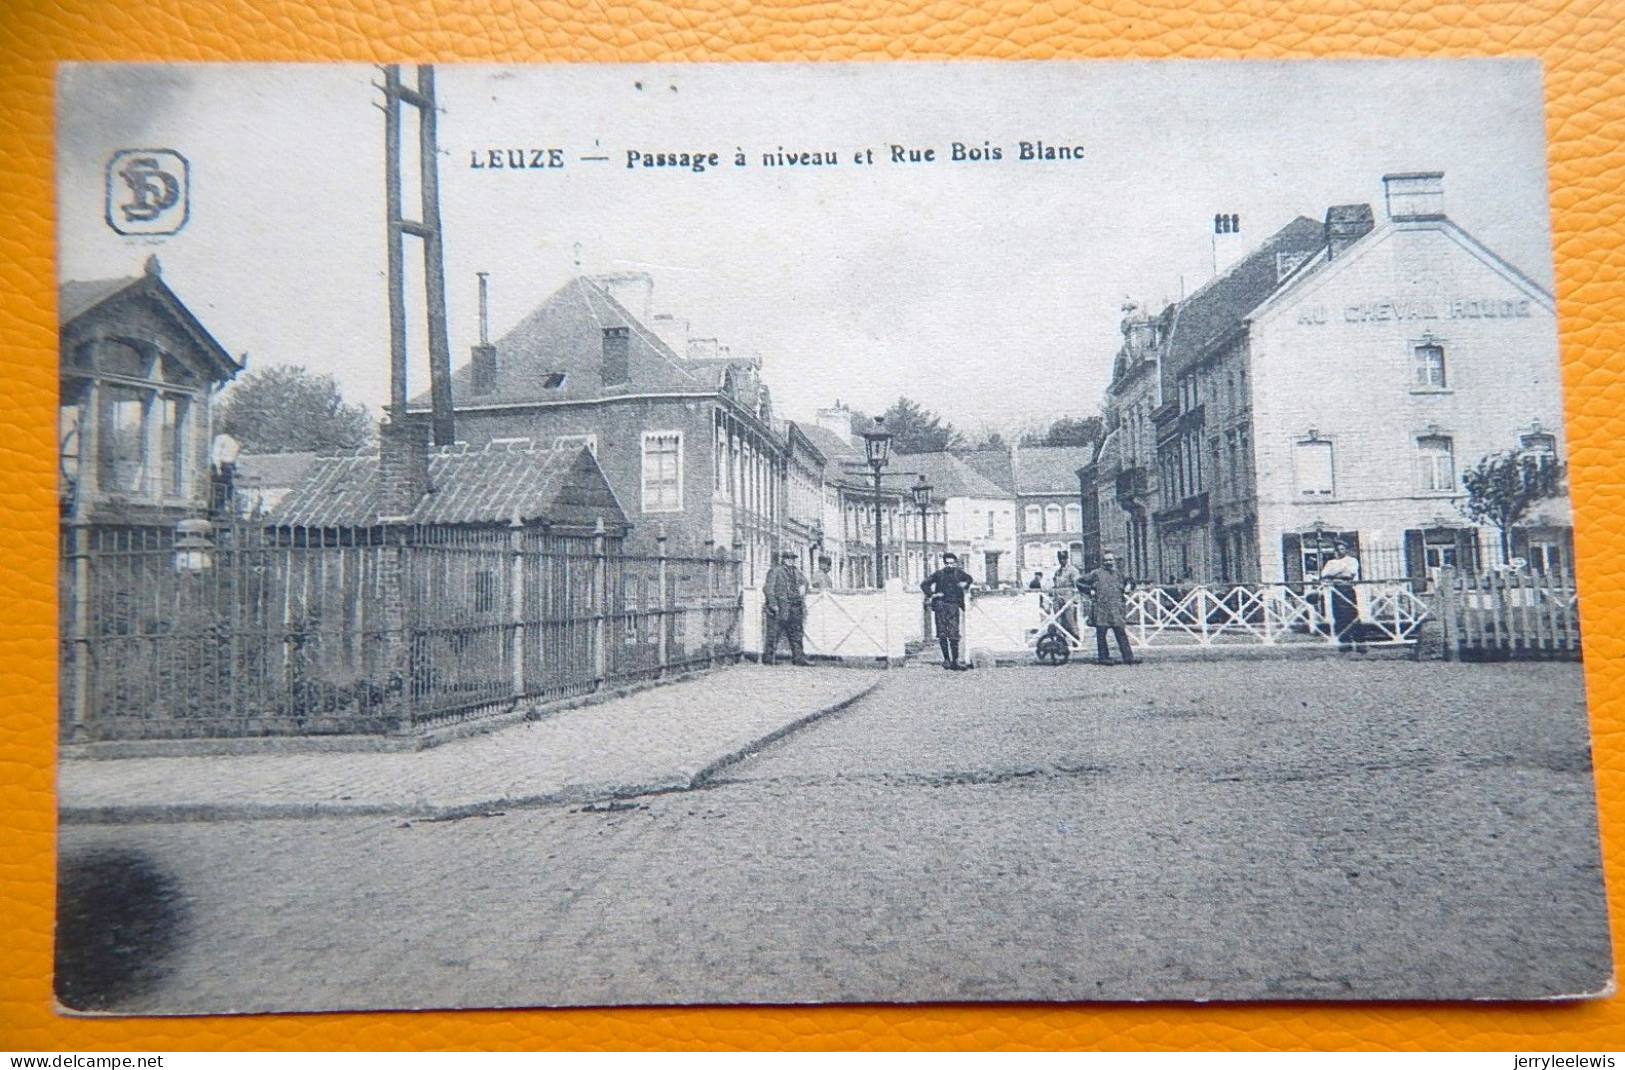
[(945, 592)]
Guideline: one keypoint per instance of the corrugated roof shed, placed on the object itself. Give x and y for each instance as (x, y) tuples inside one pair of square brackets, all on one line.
[(503, 482)]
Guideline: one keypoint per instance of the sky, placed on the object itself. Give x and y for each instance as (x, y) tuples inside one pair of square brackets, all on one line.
[(988, 290)]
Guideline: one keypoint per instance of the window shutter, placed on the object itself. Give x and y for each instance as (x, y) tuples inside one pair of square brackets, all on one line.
[(1292, 557), (1416, 562), (1520, 543), (1467, 549)]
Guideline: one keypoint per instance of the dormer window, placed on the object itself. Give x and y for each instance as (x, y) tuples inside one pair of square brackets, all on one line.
[(553, 381)]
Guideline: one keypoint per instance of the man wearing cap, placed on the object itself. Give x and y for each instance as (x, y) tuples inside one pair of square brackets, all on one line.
[(1109, 591), (945, 591), (785, 592)]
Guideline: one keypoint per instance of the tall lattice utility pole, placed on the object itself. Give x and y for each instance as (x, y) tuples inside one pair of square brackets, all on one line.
[(426, 228)]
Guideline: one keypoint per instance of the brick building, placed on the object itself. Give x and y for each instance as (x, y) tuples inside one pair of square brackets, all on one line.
[(685, 438), (1333, 383)]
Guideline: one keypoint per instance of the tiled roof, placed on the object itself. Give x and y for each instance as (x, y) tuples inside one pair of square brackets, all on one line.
[(1049, 469), (503, 482), (1220, 306), (993, 464), (834, 448), (949, 476), (556, 353)]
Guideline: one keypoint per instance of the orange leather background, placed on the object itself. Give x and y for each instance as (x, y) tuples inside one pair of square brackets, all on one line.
[(1583, 48)]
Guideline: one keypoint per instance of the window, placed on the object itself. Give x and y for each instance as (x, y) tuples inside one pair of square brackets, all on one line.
[(1435, 464), (1033, 518), (576, 442), (1428, 362), (662, 472), (990, 523), (1074, 517), (1052, 518), (121, 467), (1312, 463), (553, 381), (172, 445)]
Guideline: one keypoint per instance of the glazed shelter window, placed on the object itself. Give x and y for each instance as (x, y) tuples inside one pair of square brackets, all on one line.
[(662, 472), (1435, 464), (1312, 464), (133, 410), (1427, 360)]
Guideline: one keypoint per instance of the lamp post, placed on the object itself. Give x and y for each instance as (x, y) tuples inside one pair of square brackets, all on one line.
[(877, 447), (922, 501)]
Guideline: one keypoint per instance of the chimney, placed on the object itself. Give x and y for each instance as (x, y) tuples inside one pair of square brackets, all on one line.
[(1414, 195), (484, 355), (672, 331), (632, 290), (403, 467), (837, 419), (1345, 225)]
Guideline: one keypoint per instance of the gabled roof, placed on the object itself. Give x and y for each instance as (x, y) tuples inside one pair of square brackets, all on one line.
[(556, 353), (506, 481), (1316, 271), (76, 299), (835, 448), (949, 476), (1220, 306), (1049, 469), (994, 465)]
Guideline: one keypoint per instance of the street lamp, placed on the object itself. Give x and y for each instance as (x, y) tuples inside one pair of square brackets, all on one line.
[(922, 500), (877, 448)]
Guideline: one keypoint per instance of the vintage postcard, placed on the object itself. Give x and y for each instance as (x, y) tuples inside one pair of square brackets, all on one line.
[(564, 535)]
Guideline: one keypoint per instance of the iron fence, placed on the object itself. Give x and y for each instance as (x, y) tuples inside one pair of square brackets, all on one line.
[(254, 631)]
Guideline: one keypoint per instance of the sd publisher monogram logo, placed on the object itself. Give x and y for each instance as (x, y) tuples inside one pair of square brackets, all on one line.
[(148, 191)]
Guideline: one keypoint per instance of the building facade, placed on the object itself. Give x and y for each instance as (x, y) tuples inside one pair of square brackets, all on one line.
[(1333, 383), (1049, 515), (686, 439)]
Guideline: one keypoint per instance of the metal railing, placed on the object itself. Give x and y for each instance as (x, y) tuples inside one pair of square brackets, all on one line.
[(261, 631)]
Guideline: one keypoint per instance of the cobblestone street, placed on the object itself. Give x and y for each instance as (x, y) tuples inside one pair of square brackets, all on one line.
[(1182, 830)]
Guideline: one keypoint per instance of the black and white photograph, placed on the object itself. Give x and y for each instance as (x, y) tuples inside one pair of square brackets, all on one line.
[(570, 535)]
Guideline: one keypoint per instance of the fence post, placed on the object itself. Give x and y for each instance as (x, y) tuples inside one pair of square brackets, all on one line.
[(395, 633), (663, 604), (516, 602), (79, 553), (1446, 587), (600, 586)]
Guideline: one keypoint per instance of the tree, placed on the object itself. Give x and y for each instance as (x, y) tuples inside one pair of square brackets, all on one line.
[(286, 409), (1068, 431), (1503, 487), (914, 428)]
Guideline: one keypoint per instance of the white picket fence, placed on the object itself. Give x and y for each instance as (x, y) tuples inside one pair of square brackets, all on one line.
[(858, 625), (878, 625)]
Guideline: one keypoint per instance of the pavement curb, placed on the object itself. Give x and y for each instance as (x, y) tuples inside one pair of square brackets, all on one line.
[(574, 794)]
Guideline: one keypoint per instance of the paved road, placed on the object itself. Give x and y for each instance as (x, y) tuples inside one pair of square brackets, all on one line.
[(1335, 829)]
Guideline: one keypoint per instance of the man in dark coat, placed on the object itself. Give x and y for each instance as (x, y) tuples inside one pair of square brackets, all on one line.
[(1108, 588), (945, 591), (785, 593)]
